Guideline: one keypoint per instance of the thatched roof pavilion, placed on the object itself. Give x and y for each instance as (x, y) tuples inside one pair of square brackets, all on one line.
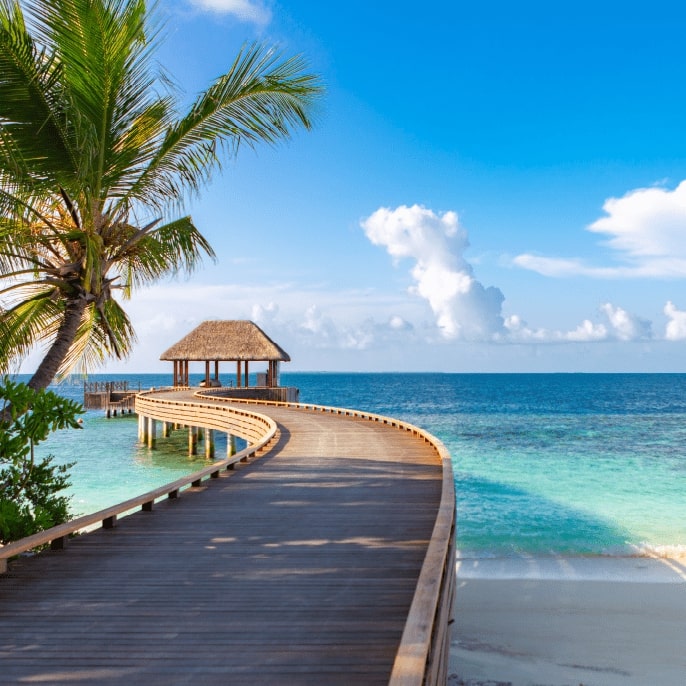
[(239, 341)]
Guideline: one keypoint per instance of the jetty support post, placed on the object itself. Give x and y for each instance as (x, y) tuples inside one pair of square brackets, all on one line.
[(192, 440), (209, 443), (166, 429), (152, 432), (230, 445), (142, 429)]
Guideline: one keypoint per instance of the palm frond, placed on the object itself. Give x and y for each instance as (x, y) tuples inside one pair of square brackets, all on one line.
[(36, 144), (262, 98), (104, 332), (33, 320), (105, 55), (168, 249)]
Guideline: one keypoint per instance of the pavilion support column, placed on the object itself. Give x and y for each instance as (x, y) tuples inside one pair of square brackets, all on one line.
[(247, 376), (209, 443), (187, 375), (152, 433), (207, 373), (216, 371), (192, 440), (238, 374)]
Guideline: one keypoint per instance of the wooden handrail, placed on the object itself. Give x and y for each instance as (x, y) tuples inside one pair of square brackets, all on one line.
[(422, 656)]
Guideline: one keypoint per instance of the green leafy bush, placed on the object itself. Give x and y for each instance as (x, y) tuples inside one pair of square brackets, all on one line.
[(30, 499)]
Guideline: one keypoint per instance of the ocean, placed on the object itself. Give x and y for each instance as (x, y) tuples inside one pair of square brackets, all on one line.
[(545, 464)]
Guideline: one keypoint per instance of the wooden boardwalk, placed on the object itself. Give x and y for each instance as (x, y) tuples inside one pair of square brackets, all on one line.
[(297, 568)]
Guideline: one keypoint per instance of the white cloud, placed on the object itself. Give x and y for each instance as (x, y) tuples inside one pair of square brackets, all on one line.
[(676, 326), (562, 267), (625, 326), (518, 331), (245, 10), (646, 230), (317, 325), (648, 222), (463, 308), (616, 325), (397, 323), (320, 330), (263, 314), (587, 331)]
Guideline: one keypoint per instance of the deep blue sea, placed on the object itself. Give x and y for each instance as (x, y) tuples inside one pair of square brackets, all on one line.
[(588, 464)]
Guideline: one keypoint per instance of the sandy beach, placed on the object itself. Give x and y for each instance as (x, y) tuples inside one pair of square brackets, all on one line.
[(570, 622)]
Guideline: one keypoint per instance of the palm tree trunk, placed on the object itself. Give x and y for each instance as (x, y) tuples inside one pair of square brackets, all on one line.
[(57, 352)]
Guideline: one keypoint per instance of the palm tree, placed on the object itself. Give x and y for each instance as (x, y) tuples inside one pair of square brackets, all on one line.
[(95, 163)]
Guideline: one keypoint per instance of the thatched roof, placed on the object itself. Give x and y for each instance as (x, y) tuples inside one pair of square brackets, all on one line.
[(226, 340)]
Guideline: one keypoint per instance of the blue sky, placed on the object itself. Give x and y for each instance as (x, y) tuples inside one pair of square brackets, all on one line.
[(490, 186)]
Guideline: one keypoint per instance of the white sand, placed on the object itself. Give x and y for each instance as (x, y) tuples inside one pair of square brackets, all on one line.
[(570, 621)]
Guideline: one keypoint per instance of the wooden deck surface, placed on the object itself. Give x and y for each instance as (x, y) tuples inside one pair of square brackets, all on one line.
[(298, 568)]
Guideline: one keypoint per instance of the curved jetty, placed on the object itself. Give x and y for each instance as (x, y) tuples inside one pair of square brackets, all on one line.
[(325, 558)]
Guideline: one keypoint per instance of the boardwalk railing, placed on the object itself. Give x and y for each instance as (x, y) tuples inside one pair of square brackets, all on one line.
[(423, 655), (243, 423), (107, 386), (254, 427)]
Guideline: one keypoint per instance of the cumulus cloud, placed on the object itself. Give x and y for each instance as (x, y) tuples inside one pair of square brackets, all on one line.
[(676, 326), (625, 326), (587, 331), (646, 231), (250, 11), (614, 324), (462, 306), (320, 330), (263, 314)]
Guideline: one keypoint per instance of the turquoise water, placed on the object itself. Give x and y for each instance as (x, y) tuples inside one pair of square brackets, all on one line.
[(544, 464)]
